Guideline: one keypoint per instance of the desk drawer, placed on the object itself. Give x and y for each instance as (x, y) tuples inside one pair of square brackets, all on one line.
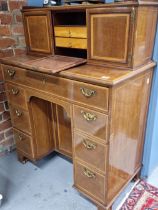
[(20, 119), (91, 122), (25, 77), (90, 151), (54, 85), (90, 182), (16, 95), (23, 142), (92, 95), (71, 31), (71, 43), (9, 72)]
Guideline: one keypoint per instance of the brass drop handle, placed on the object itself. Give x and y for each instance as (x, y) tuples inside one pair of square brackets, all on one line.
[(18, 113), (87, 92), (89, 145), (89, 173), (15, 91), (88, 116), (20, 137), (11, 72)]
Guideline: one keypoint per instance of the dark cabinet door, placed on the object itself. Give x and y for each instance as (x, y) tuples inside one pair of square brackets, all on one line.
[(38, 32), (110, 34)]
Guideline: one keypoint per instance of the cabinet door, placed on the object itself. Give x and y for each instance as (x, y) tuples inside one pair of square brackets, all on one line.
[(42, 127), (38, 32), (64, 136), (110, 33)]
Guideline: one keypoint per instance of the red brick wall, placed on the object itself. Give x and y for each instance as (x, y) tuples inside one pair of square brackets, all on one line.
[(11, 43)]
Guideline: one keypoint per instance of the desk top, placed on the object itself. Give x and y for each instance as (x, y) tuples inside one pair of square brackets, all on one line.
[(101, 75)]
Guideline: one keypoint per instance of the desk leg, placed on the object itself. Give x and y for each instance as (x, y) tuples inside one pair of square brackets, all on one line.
[(21, 158), (102, 208)]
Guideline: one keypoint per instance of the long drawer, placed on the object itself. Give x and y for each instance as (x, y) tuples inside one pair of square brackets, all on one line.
[(91, 151), (91, 95), (71, 42), (90, 182), (20, 119), (91, 122), (23, 142)]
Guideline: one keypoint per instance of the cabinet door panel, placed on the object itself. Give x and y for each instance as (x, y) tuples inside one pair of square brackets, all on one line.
[(110, 34), (42, 126), (64, 140), (38, 31)]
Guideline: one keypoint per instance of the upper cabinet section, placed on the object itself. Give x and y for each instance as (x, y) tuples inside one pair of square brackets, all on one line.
[(38, 32), (121, 37)]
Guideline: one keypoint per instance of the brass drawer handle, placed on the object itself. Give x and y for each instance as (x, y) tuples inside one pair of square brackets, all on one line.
[(89, 173), (20, 137), (89, 145), (11, 72), (88, 116), (15, 91), (87, 92), (18, 113)]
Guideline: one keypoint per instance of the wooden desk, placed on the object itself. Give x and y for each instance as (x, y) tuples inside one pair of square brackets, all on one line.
[(94, 113)]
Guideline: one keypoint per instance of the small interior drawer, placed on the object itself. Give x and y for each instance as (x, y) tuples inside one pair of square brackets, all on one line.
[(90, 151), (91, 122), (90, 182), (23, 142), (71, 31), (16, 95), (71, 43), (20, 119)]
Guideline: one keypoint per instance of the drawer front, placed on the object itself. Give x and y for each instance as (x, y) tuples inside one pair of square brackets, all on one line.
[(76, 32), (23, 142), (91, 95), (90, 151), (54, 85), (91, 122), (20, 119), (71, 43), (22, 76), (9, 72), (16, 95), (90, 182)]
